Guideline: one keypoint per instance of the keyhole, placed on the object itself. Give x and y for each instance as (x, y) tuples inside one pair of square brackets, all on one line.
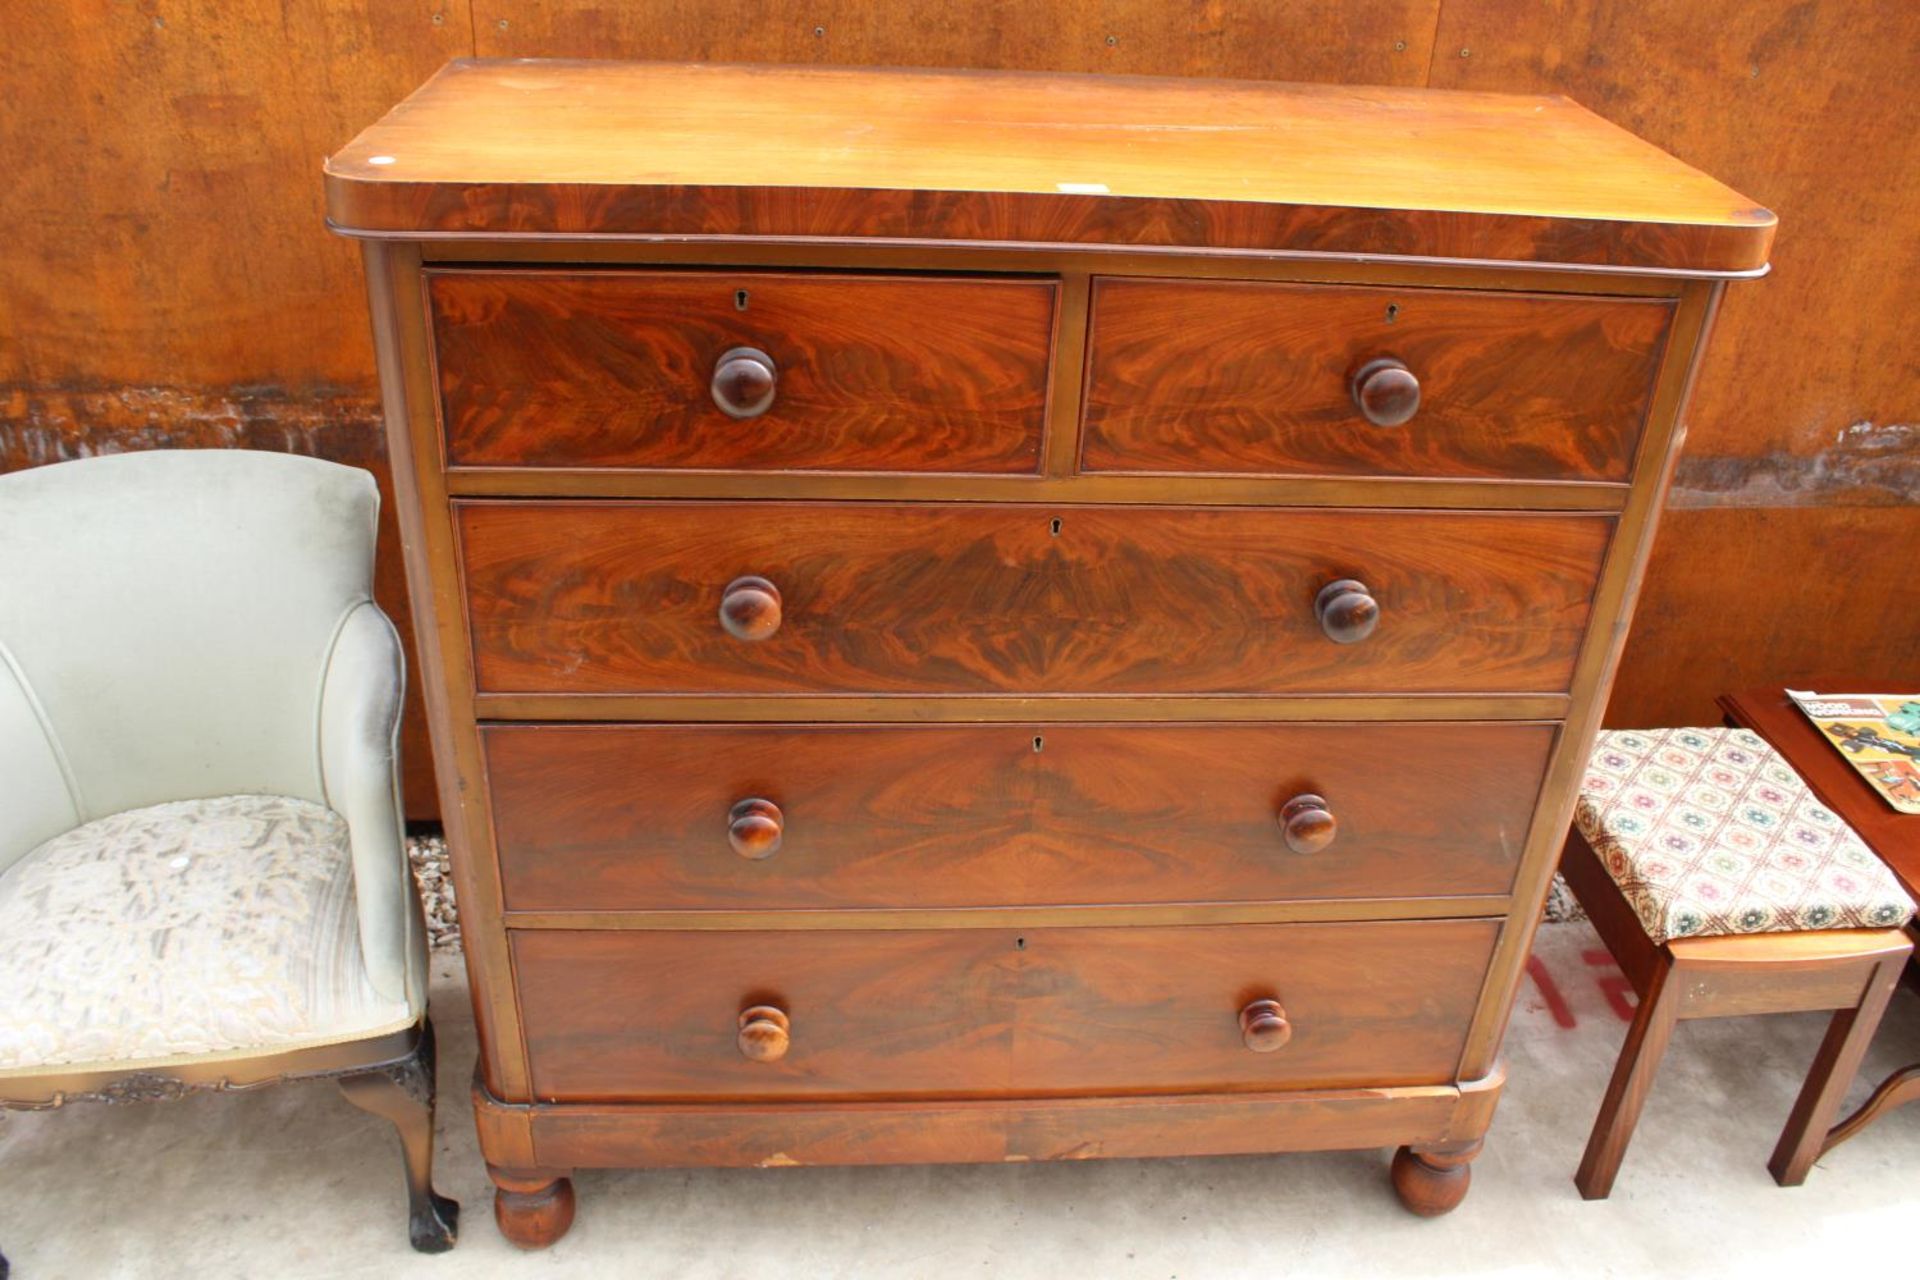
[(740, 300), (1393, 311), (1038, 743), (1054, 528), (1019, 944)]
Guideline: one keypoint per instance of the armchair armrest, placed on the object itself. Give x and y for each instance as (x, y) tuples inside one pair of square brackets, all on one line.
[(37, 798), (359, 758)]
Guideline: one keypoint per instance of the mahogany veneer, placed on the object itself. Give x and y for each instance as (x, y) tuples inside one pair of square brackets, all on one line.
[(636, 817), (1095, 594), (1232, 376), (966, 598), (982, 1013), (559, 147), (544, 368)]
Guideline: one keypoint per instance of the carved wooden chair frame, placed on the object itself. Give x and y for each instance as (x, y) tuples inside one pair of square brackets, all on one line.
[(390, 1076)]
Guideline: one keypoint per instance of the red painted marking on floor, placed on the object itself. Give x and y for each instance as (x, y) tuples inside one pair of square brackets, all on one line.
[(1550, 991), (1614, 986)]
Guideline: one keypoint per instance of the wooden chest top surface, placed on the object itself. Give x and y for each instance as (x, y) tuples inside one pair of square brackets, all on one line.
[(537, 146)]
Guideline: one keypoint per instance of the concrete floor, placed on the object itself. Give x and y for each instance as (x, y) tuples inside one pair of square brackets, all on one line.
[(293, 1182)]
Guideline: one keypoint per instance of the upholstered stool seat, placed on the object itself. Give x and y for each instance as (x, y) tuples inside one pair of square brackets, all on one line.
[(1710, 832), (184, 931), (1723, 886)]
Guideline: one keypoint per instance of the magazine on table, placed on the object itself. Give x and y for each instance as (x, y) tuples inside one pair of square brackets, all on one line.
[(1879, 733)]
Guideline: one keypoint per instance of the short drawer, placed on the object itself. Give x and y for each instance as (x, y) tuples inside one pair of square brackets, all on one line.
[(741, 371), (726, 597), (995, 1012), (1240, 377), (766, 817)]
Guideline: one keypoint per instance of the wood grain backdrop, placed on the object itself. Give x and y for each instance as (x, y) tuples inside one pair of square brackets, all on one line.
[(168, 282)]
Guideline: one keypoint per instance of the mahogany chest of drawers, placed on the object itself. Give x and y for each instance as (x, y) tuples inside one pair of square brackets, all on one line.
[(996, 617)]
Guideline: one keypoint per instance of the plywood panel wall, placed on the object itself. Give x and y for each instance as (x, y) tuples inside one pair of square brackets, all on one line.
[(167, 280), (1358, 41)]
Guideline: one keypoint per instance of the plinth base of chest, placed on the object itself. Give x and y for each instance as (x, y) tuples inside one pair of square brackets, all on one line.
[(533, 1148)]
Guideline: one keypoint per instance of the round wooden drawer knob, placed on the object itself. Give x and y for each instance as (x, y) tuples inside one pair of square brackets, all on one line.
[(1308, 824), (1264, 1026), (750, 608), (764, 1033), (1347, 611), (754, 828), (744, 381), (1387, 392)]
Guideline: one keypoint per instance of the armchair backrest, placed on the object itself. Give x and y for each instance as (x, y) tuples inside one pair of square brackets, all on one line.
[(166, 620)]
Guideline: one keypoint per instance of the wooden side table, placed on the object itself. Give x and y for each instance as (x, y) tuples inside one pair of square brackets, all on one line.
[(1893, 835)]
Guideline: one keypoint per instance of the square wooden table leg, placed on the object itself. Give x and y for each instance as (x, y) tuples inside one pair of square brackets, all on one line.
[(1848, 1035), (1633, 1074)]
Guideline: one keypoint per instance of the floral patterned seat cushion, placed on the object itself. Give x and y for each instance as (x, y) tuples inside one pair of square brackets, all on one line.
[(1709, 832), (202, 928)]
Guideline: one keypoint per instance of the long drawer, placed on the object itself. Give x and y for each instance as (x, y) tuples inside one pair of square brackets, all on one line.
[(1242, 377), (757, 817), (743, 597), (997, 1012), (742, 370)]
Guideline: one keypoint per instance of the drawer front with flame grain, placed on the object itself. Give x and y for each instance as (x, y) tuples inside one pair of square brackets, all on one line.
[(1234, 377), (766, 817), (996, 1012), (727, 597), (742, 370)]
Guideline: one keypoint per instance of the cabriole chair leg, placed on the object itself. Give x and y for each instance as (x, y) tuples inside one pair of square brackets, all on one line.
[(403, 1094)]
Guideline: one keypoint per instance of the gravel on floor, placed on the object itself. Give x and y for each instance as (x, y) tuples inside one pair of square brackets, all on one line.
[(427, 853)]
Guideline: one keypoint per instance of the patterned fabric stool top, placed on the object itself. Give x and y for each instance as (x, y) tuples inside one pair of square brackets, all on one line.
[(1709, 831)]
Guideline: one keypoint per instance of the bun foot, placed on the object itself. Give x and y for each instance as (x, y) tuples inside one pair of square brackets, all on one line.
[(1430, 1183), (534, 1208)]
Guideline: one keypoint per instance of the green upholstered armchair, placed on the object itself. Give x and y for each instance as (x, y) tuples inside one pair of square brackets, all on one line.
[(203, 876)]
